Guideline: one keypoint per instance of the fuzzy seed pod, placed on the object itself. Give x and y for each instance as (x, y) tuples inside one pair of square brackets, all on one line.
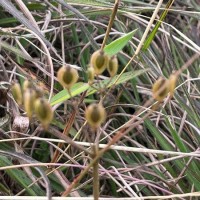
[(160, 89), (172, 83), (39, 92), (95, 114), (27, 85), (90, 74), (112, 66), (99, 61), (17, 93), (29, 100), (67, 76), (43, 112)]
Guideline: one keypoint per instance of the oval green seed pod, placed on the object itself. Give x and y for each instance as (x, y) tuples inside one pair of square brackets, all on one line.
[(43, 112), (112, 66), (172, 83), (29, 100), (95, 114), (160, 89), (67, 76), (17, 93), (99, 61), (27, 85), (90, 73)]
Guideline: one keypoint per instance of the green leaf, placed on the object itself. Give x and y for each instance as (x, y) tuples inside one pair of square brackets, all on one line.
[(78, 88), (7, 22), (36, 6), (21, 178), (154, 31), (176, 137), (193, 179), (159, 137), (4, 189), (10, 7), (180, 144), (15, 50), (117, 45), (63, 95)]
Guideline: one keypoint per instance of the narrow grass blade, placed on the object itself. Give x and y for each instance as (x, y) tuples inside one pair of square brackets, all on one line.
[(190, 175), (176, 137), (10, 7), (72, 9), (15, 51), (154, 31), (21, 178)]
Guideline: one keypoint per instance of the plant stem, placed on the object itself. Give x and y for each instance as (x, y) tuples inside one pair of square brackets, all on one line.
[(112, 17), (116, 138), (96, 173), (140, 44)]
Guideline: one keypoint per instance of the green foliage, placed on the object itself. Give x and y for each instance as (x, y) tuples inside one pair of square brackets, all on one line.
[(116, 46), (42, 152), (79, 88), (68, 32), (21, 178)]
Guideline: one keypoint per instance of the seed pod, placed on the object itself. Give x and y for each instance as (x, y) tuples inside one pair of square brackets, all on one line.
[(160, 89), (39, 92), (17, 93), (99, 61), (90, 73), (27, 85), (67, 76), (43, 112), (29, 100), (95, 114), (172, 83), (112, 66)]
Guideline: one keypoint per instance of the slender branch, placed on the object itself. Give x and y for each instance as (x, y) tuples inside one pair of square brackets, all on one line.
[(96, 173), (112, 17)]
